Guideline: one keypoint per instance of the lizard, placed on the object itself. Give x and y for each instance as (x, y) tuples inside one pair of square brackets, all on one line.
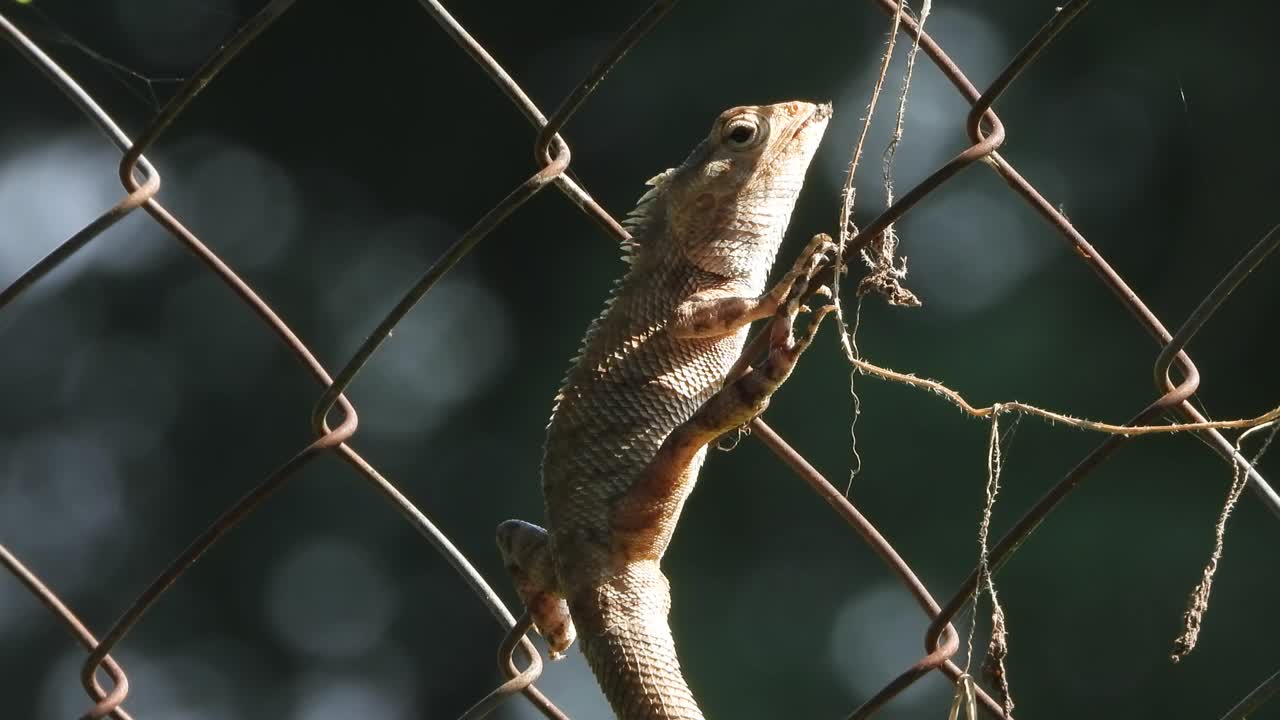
[(647, 393)]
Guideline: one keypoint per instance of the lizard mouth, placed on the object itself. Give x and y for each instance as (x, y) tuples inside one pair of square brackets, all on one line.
[(822, 113), (816, 115), (809, 118)]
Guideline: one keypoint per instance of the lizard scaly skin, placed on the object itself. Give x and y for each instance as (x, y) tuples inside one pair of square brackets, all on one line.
[(643, 398)]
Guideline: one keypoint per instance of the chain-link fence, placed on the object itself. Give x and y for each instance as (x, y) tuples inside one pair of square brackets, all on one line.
[(335, 421)]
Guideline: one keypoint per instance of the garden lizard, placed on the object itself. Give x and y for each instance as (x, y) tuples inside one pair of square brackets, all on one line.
[(644, 397)]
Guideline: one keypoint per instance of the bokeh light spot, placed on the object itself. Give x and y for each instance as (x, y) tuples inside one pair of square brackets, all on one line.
[(330, 598), (876, 635)]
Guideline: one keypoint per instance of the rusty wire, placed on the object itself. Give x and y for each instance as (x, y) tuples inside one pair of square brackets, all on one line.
[(553, 156)]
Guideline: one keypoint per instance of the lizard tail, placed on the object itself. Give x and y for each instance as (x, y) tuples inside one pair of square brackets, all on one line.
[(628, 645)]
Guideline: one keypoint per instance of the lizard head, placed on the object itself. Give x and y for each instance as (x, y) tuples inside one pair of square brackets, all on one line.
[(728, 205)]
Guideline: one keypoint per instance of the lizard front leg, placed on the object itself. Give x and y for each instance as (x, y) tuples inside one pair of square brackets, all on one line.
[(526, 551), (719, 312)]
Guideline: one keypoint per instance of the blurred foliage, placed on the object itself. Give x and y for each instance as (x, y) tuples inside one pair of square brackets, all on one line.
[(343, 150)]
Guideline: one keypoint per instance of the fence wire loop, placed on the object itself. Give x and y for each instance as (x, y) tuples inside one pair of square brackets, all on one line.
[(986, 134)]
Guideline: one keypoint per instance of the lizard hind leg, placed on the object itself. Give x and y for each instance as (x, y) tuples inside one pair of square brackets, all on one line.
[(742, 399), (526, 552), (648, 502)]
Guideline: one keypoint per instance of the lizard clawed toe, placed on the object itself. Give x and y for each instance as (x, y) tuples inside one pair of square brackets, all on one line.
[(817, 255), (811, 332)]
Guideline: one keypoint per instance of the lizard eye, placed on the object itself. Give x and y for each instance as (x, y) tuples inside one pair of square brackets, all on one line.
[(742, 133)]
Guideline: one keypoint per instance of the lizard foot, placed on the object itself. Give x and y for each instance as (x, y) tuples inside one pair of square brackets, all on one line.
[(795, 283), (526, 551), (784, 349)]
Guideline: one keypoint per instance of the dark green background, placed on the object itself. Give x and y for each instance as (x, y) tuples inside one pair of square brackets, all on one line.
[(352, 142)]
